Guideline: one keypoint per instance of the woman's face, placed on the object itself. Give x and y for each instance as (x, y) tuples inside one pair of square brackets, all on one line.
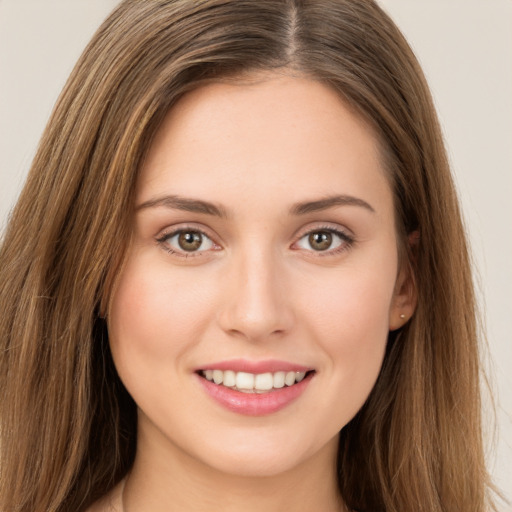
[(264, 247)]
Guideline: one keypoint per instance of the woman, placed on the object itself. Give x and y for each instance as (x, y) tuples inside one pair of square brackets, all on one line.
[(240, 275)]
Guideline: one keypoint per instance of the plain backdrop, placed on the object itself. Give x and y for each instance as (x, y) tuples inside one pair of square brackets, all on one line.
[(465, 47)]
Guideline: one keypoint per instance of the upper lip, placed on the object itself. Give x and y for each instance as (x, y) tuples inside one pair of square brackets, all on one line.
[(256, 367)]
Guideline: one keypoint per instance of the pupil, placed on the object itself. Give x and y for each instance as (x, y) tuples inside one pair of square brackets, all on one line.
[(321, 240), (190, 240)]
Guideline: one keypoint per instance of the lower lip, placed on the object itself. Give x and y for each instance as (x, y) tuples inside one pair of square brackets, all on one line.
[(255, 404)]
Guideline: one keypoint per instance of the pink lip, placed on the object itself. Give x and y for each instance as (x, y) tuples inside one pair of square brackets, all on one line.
[(244, 365), (255, 404)]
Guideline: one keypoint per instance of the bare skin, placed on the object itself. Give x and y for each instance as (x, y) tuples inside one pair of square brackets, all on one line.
[(284, 163)]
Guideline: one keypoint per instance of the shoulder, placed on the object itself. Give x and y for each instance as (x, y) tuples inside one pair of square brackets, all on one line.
[(111, 502)]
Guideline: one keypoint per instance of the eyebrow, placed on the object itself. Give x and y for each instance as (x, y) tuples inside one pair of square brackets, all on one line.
[(185, 204), (329, 202), (208, 208)]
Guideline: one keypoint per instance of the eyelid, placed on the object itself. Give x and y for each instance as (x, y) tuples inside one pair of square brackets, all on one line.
[(171, 232), (323, 226), (346, 236)]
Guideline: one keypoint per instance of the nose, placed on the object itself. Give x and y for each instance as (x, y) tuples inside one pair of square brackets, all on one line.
[(257, 305)]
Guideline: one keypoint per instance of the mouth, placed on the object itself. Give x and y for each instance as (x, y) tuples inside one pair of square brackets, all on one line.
[(255, 388), (252, 383)]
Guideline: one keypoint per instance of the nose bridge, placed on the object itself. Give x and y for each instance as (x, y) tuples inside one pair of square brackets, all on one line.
[(256, 306)]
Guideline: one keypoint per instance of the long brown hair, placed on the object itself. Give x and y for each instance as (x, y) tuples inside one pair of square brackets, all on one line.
[(67, 425)]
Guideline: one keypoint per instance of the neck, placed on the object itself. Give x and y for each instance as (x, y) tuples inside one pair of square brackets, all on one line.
[(165, 479)]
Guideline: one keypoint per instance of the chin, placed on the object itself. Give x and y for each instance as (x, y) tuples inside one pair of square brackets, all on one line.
[(268, 457)]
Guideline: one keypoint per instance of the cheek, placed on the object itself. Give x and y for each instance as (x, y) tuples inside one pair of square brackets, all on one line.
[(155, 315), (351, 301), (351, 328), (349, 318)]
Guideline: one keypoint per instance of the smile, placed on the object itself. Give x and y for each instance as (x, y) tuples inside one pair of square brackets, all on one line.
[(253, 383), (254, 388)]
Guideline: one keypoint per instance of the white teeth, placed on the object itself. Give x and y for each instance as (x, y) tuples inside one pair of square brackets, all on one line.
[(264, 381), (229, 378), (300, 376), (279, 380), (289, 378), (253, 383), (244, 380), (218, 376)]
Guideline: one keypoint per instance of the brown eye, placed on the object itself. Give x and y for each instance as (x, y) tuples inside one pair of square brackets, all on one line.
[(320, 240), (190, 240), (327, 241), (185, 242)]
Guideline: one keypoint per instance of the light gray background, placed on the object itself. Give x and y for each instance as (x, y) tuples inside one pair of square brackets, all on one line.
[(465, 47)]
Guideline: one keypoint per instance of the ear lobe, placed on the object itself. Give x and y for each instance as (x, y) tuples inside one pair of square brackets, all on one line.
[(404, 300)]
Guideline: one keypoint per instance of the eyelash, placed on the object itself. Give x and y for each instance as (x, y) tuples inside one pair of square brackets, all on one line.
[(347, 241), (162, 241)]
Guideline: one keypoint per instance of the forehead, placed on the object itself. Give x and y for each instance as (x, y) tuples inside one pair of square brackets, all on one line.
[(277, 135)]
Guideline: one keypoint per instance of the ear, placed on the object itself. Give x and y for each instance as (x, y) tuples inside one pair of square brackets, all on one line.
[(405, 295)]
